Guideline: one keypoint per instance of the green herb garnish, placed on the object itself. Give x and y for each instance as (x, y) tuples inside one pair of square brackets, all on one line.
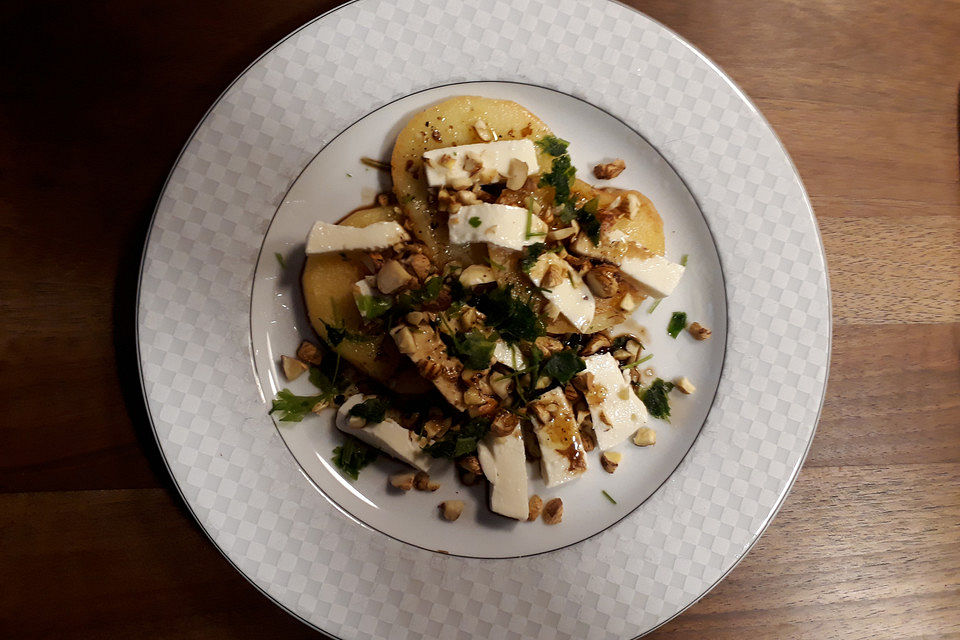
[(473, 349), (637, 363), (371, 307), (560, 177), (336, 335), (353, 456), (563, 366), (512, 317), (474, 222), (587, 217), (429, 292), (678, 322), (608, 497), (292, 408), (656, 303), (373, 410), (283, 263), (683, 260), (655, 398), (553, 145), (454, 444), (531, 253)]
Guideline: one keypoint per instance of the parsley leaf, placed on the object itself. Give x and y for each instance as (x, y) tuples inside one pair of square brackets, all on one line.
[(563, 366), (292, 407), (454, 444), (553, 145), (353, 456), (474, 222), (587, 217), (371, 307), (531, 253), (429, 292), (560, 177), (283, 263), (372, 410), (678, 322), (512, 317), (474, 349), (655, 398)]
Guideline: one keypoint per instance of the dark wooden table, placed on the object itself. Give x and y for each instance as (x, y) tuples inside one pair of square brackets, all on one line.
[(97, 99)]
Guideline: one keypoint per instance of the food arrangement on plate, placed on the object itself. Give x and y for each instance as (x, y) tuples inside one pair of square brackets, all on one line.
[(472, 314)]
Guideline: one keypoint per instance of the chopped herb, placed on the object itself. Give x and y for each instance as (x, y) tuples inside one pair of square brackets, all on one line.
[(587, 217), (560, 177), (473, 349), (376, 164), (371, 307), (637, 363), (619, 342), (293, 408), (427, 293), (683, 260), (454, 444), (656, 303), (336, 335), (372, 410), (326, 385), (512, 317), (495, 265), (283, 263), (531, 253), (608, 497), (349, 175), (563, 366), (655, 398), (474, 222), (353, 456), (553, 145), (678, 322)]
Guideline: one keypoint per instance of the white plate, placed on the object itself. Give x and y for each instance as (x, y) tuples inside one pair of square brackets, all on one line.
[(212, 320)]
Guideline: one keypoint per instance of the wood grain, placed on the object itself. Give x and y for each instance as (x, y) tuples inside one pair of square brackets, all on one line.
[(97, 99)]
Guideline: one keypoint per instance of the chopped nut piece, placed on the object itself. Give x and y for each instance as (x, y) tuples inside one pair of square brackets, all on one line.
[(645, 437), (392, 277), (501, 384), (435, 428), (467, 197), (540, 410), (610, 460), (609, 170), (477, 274), (420, 264), (488, 175), (628, 303), (488, 407), (469, 318), (536, 504), (684, 385), (542, 382), (415, 317), (602, 281), (451, 509), (292, 368), (504, 423), (555, 275), (548, 345), (429, 368), (588, 437), (459, 184), (516, 173), (308, 352), (484, 132), (699, 331), (553, 511), (469, 478), (356, 422), (471, 464), (402, 481), (405, 342), (421, 482), (570, 392), (597, 342), (320, 406), (561, 234)]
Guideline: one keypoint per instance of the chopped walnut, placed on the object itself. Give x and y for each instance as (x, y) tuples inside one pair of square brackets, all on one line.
[(392, 277), (684, 385), (429, 368), (699, 331), (451, 509), (402, 481), (320, 406), (356, 422), (404, 339), (484, 132), (420, 264), (471, 464), (628, 303), (602, 281), (308, 352), (554, 275), (645, 437), (597, 342), (553, 511), (421, 482), (610, 460), (292, 368), (467, 197), (516, 174), (609, 170), (548, 345), (535, 505), (504, 423)]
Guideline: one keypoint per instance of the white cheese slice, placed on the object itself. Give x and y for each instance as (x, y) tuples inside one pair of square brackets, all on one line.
[(509, 355), (616, 410), (654, 274), (499, 224), (445, 166), (387, 436), (327, 238), (571, 295), (504, 463), (562, 457)]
